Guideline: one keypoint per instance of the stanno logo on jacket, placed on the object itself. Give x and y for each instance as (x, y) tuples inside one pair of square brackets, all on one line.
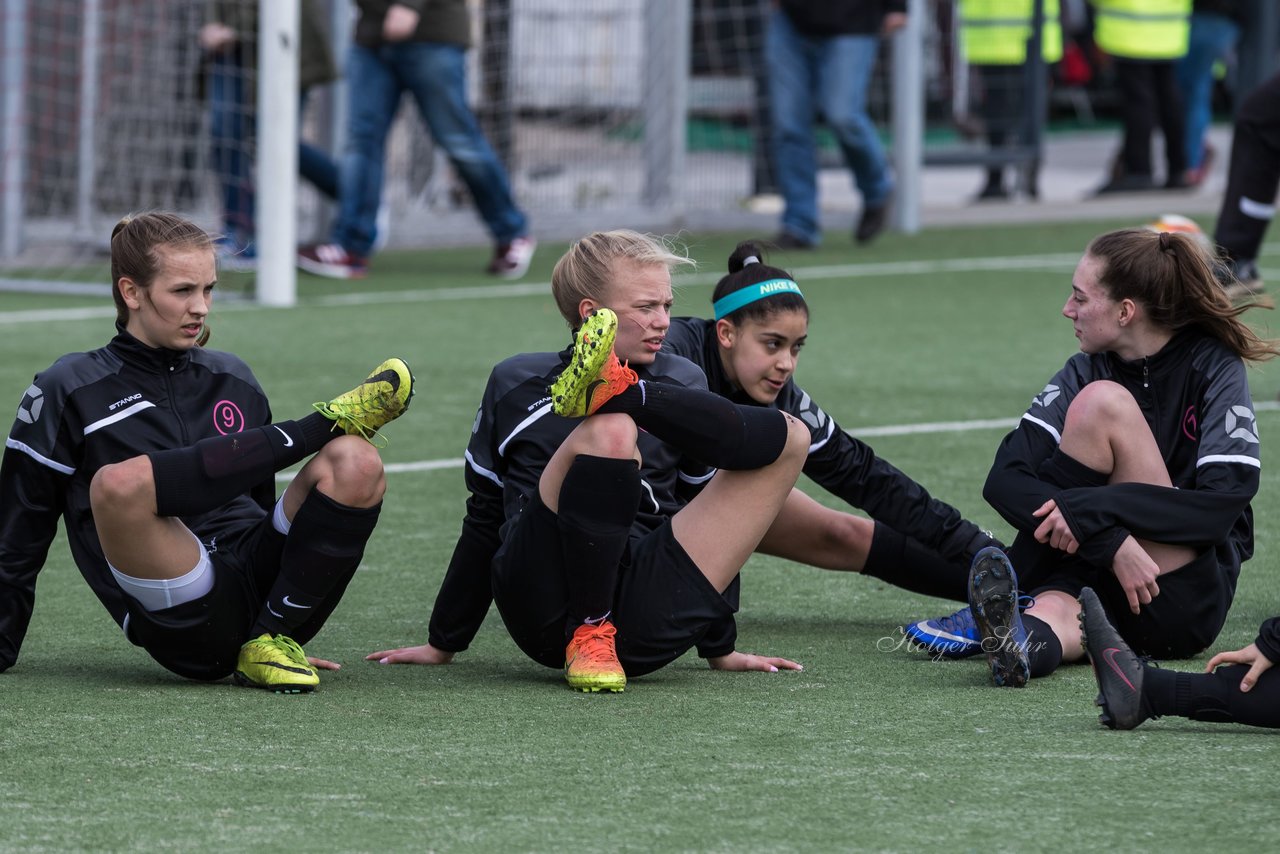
[(1242, 424)]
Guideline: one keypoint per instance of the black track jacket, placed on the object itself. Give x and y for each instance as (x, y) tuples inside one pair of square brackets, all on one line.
[(839, 463), (1195, 396), (92, 409)]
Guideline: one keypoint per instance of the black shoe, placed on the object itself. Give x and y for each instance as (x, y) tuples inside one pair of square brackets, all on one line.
[(1178, 181), (1126, 184), (872, 223), (993, 193), (1117, 669), (993, 599), (787, 240)]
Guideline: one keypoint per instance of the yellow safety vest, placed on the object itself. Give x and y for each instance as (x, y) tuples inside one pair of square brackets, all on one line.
[(995, 32), (1142, 29)]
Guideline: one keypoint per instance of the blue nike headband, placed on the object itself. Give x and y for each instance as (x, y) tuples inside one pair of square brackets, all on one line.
[(730, 303)]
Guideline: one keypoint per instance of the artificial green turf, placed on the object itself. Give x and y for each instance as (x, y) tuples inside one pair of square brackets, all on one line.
[(870, 748)]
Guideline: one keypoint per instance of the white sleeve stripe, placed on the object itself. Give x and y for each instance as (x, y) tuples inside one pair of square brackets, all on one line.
[(545, 409), (481, 470), (831, 429), (1057, 437), (35, 455), (1229, 458), (688, 478), (119, 416)]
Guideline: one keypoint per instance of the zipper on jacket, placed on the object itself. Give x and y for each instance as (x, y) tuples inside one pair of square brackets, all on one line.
[(1146, 374), (173, 403)]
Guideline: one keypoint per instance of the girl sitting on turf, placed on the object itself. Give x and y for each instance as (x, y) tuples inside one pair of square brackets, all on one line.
[(749, 353), (1132, 472), (159, 456), (579, 525)]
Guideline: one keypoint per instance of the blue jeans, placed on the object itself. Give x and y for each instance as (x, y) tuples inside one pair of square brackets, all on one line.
[(232, 126), (808, 75), (1212, 38), (435, 74), (231, 129)]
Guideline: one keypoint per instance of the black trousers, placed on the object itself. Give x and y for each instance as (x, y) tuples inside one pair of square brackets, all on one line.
[(1253, 177), (1151, 98), (1002, 109)]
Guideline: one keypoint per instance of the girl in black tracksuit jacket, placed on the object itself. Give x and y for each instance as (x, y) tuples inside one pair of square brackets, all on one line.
[(1133, 470), (749, 352), (158, 455)]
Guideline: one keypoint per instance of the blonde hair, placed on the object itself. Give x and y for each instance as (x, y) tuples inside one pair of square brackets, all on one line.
[(134, 242), (585, 271), (1172, 276)]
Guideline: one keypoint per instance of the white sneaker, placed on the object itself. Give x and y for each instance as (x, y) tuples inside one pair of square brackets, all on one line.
[(381, 228), (511, 260)]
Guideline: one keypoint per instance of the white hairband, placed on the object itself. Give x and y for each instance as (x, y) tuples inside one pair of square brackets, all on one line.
[(749, 260)]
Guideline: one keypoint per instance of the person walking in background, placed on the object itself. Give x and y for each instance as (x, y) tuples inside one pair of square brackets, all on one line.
[(1146, 38), (1253, 179), (994, 34), (418, 47), (228, 40), (819, 56), (1215, 29)]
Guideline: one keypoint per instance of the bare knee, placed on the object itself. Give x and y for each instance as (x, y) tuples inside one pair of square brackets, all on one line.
[(350, 471), (123, 487), (609, 435), (796, 448), (1101, 407)]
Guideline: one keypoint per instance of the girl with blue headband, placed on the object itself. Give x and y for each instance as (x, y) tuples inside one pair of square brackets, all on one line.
[(749, 352), (583, 525)]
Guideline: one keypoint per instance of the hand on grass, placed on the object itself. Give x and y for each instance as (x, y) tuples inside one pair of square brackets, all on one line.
[(425, 654), (743, 661), (1137, 573), (323, 664), (1250, 655)]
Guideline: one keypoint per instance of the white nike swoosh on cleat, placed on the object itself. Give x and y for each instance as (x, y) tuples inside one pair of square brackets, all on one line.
[(273, 611), (288, 440), (286, 601)]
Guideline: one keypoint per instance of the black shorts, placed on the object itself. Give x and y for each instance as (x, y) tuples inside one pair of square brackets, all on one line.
[(1180, 622), (663, 604), (202, 639)]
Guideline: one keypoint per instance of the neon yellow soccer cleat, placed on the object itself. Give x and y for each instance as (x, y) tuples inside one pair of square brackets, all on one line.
[(276, 664), (593, 374), (380, 399)]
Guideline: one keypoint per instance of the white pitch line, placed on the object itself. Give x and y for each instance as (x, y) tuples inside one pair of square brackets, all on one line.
[(861, 433), (524, 289), (1064, 261)]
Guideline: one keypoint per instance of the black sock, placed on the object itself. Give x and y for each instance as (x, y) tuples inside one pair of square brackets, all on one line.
[(598, 502), (1215, 697), (208, 474), (906, 563), (1044, 650), (321, 553), (712, 429)]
